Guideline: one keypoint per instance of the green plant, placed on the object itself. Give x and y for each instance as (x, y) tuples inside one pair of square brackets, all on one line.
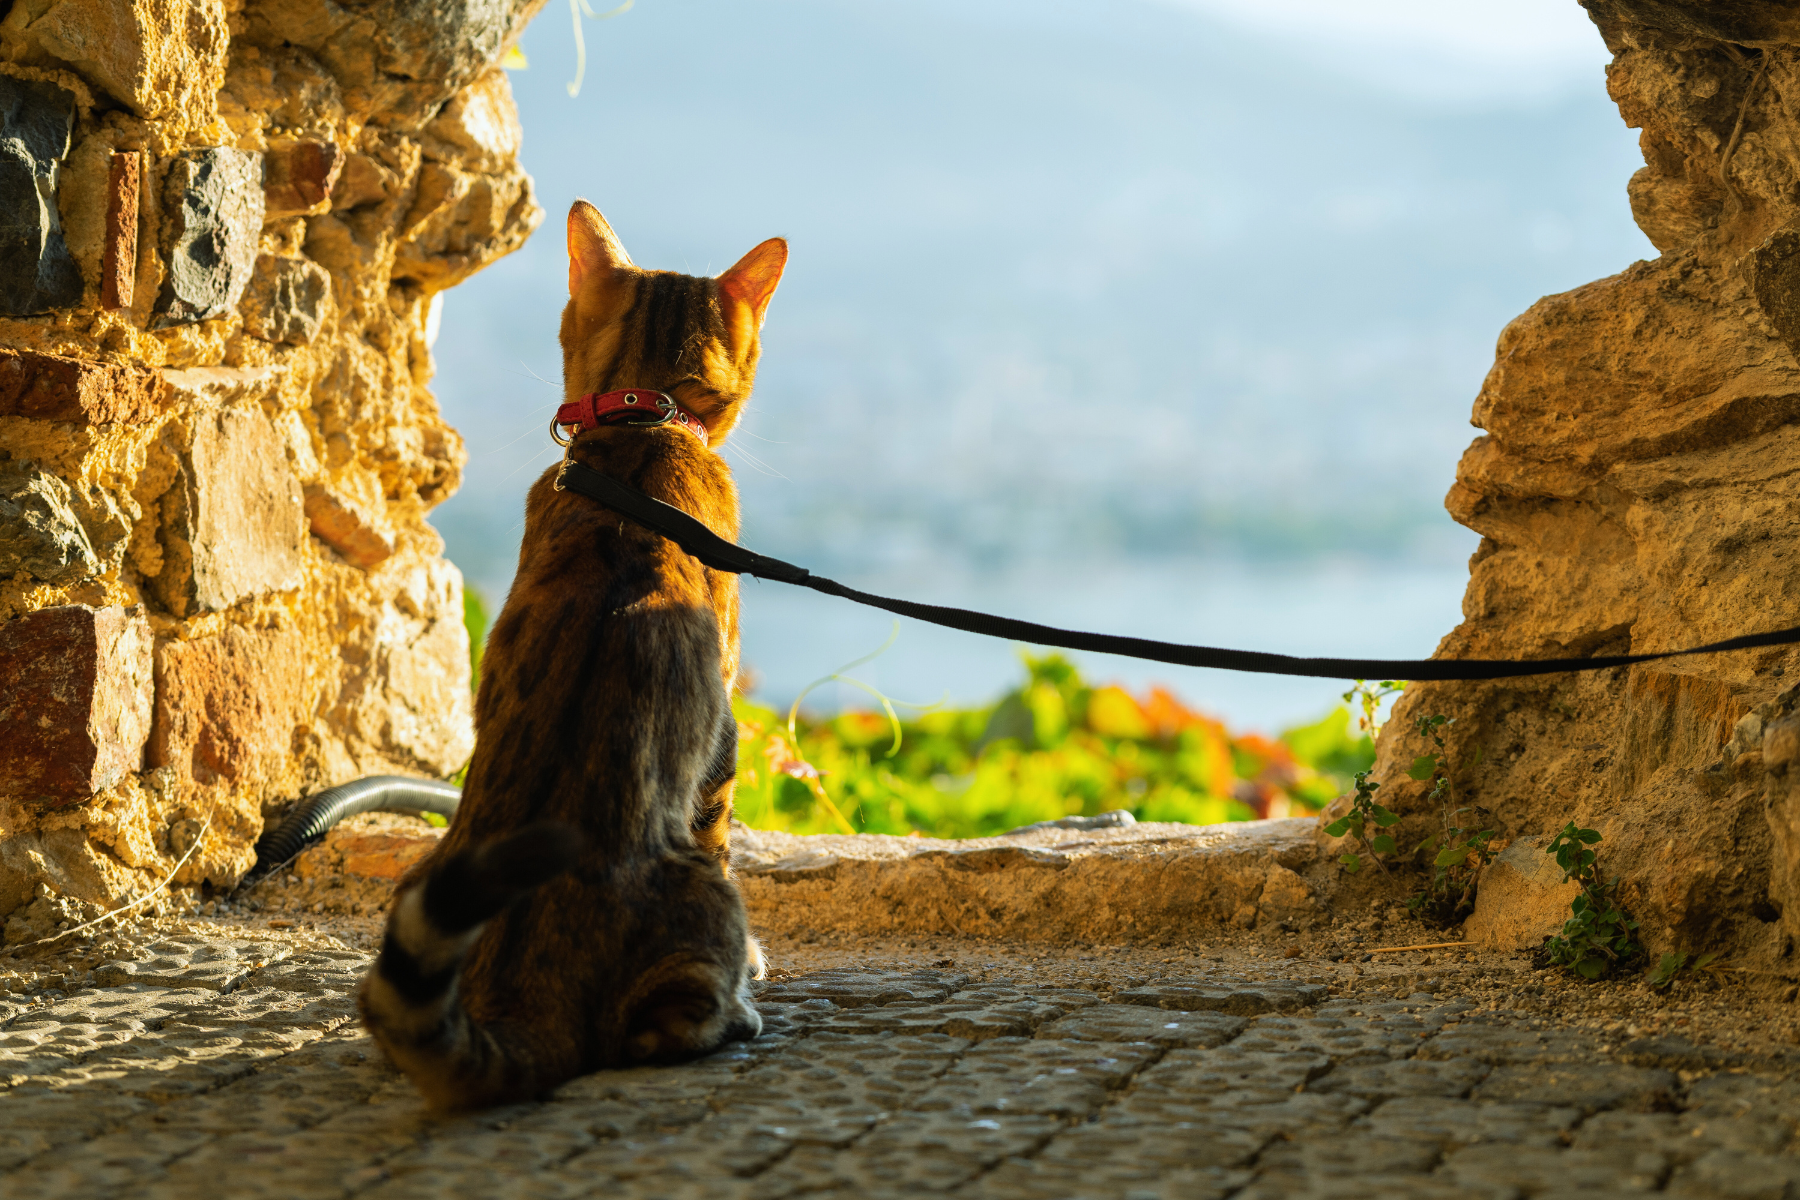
[(1055, 746), (1459, 852), (475, 620), (1597, 937), (1364, 812), (1673, 963), (1368, 697)]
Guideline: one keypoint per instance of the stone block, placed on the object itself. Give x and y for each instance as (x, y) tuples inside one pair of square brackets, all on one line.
[(37, 273), (285, 301), (39, 531), (233, 522), (118, 259), (75, 701), (1035, 885), (1522, 899), (355, 530), (155, 56), (403, 694), (1589, 1086), (226, 704), (51, 387), (298, 178), (213, 206)]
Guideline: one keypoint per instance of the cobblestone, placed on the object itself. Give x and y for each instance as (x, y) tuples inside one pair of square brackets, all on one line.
[(225, 1060)]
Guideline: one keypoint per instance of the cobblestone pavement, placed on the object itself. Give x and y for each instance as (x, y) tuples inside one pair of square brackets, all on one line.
[(225, 1060)]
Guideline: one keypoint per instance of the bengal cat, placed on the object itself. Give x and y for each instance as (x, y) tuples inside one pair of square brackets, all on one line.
[(577, 914)]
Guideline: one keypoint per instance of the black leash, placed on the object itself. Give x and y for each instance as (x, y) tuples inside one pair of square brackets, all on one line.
[(722, 555)]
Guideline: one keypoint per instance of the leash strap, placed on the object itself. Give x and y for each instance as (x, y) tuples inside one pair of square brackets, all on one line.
[(721, 555)]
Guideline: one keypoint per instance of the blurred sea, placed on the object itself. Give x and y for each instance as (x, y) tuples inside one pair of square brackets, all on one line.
[(1113, 316)]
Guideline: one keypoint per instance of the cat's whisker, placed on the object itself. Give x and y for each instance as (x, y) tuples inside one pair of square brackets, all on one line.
[(754, 462), (530, 462), (525, 369), (531, 429)]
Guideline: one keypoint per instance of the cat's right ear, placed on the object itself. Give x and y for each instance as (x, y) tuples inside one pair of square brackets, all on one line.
[(594, 249)]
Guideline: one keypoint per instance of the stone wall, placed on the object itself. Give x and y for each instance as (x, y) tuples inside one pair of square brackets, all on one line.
[(224, 229), (1637, 488)]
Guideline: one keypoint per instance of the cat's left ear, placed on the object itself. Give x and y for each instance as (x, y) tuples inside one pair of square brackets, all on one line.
[(752, 281)]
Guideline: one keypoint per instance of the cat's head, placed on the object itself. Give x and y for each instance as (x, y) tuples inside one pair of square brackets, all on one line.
[(696, 338)]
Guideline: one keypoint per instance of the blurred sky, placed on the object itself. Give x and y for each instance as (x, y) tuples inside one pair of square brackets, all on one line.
[(1161, 317)]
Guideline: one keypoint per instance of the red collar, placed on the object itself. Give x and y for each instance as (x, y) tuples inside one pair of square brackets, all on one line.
[(632, 406)]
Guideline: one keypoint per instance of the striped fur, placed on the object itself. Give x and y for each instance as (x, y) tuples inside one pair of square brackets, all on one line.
[(578, 914)]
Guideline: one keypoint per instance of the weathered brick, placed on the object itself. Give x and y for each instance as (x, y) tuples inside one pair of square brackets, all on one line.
[(118, 261), (367, 853), (51, 387), (225, 704), (297, 178), (75, 701)]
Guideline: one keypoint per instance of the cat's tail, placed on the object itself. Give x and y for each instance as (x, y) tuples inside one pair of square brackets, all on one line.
[(409, 997)]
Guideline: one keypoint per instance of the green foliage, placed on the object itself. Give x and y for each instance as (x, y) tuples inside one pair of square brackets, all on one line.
[(1054, 747), (1597, 937), (475, 620), (1459, 852), (1673, 963), (1368, 697), (1363, 814), (1328, 746)]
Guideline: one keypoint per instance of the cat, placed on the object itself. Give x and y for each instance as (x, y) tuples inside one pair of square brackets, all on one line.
[(578, 913)]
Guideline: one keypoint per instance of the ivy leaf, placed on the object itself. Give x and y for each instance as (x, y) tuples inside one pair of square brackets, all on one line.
[(1452, 856), (1338, 827), (1588, 836), (1383, 817), (1383, 844), (1666, 967), (1352, 863), (1590, 967), (1423, 767)]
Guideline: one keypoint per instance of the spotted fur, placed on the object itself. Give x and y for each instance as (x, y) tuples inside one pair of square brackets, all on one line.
[(578, 914)]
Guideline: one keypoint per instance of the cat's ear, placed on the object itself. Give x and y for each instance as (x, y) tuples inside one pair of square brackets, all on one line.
[(751, 283), (594, 249)]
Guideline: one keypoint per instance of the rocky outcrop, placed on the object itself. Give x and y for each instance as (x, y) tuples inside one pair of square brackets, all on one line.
[(224, 227), (1635, 486)]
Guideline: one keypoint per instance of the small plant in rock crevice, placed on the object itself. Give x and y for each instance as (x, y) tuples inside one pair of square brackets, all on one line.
[(1365, 814), (1673, 963), (1598, 938), (1459, 852)]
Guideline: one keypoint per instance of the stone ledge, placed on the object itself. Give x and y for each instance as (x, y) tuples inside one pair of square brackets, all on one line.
[(1042, 885)]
